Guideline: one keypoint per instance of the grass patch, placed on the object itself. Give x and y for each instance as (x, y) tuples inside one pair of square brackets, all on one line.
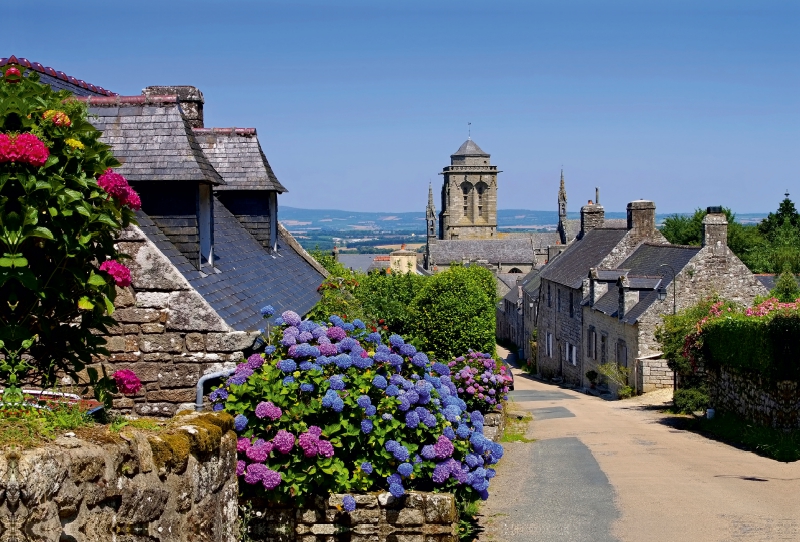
[(26, 427), (119, 423), (773, 443), (516, 427)]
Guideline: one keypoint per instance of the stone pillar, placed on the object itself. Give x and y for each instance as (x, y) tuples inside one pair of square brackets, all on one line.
[(715, 231), (597, 289), (627, 298), (190, 98)]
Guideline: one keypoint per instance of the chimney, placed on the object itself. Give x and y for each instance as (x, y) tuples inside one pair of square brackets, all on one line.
[(191, 100), (715, 231), (592, 216), (642, 218), (597, 289), (627, 298)]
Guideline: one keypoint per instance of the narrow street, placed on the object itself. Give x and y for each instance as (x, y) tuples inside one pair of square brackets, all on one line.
[(618, 471)]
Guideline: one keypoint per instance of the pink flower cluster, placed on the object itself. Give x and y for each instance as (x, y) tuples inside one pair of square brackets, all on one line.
[(313, 445), (268, 410), (23, 148), (127, 382), (120, 273), (771, 305), (117, 186)]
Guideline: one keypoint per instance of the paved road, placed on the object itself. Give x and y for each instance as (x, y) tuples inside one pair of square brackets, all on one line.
[(603, 471)]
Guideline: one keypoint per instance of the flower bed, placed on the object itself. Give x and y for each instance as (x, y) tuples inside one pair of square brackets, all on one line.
[(330, 408)]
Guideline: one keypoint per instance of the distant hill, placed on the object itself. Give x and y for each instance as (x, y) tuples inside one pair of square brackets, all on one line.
[(302, 220)]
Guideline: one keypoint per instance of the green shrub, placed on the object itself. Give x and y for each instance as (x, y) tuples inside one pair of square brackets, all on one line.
[(688, 400), (625, 392), (786, 289), (592, 376), (454, 312), (58, 223)]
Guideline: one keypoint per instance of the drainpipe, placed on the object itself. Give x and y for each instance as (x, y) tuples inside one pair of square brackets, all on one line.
[(198, 404)]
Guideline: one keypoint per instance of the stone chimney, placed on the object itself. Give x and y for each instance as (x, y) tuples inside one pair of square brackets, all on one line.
[(642, 218), (597, 289), (627, 298), (715, 231), (592, 216), (191, 100)]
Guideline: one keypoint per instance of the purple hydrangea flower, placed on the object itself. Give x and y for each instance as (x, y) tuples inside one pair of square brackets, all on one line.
[(327, 349), (289, 341), (271, 479), (305, 336), (259, 453), (240, 423), (255, 473), (240, 467), (291, 318), (283, 441), (348, 503), (441, 473), (255, 361), (325, 448), (268, 410), (336, 333), (443, 447), (318, 332)]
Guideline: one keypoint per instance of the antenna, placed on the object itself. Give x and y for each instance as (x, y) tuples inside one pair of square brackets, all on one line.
[(469, 130), (787, 193)]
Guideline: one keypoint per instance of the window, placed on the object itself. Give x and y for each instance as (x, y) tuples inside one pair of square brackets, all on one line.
[(558, 300), (549, 302), (572, 353), (622, 353), (549, 345), (591, 343), (571, 304), (603, 348)]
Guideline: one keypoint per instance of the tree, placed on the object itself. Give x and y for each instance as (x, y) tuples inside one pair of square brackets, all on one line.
[(455, 312), (786, 211), (786, 288), (61, 209)]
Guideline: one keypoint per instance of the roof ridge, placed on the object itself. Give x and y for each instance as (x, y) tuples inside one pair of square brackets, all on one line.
[(21, 61), (226, 131), (117, 100)]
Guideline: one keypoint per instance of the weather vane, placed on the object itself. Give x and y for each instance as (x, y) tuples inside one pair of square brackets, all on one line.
[(469, 130)]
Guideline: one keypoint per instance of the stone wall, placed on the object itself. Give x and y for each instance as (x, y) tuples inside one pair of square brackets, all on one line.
[(565, 328), (417, 517), (653, 374), (494, 424), (167, 333), (754, 398), (179, 486)]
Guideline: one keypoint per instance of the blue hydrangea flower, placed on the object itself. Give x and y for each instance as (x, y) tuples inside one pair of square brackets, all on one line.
[(420, 359), (347, 344), (307, 326), (462, 431), (451, 413), (306, 350), (348, 327), (396, 340), (441, 369), (374, 337), (336, 382), (348, 503), (397, 490), (386, 417), (371, 410), (237, 380), (404, 404), (428, 452), (305, 365), (328, 398), (269, 350), (318, 332), (392, 390), (412, 397), (405, 469), (358, 324), (364, 401), (430, 421), (449, 433), (219, 394), (381, 356), (338, 404), (407, 349), (307, 387), (240, 423), (394, 479), (366, 426), (412, 419), (343, 361), (288, 380), (269, 310), (383, 349), (324, 360), (362, 363), (366, 466), (278, 321), (336, 321), (395, 360), (287, 365), (379, 382), (401, 453)]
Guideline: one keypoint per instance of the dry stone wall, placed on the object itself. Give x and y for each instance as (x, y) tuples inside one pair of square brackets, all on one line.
[(167, 333), (754, 398), (415, 517), (179, 486)]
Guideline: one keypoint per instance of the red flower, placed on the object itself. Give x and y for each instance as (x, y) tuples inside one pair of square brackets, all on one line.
[(24, 148), (117, 186), (127, 382), (120, 273), (13, 75)]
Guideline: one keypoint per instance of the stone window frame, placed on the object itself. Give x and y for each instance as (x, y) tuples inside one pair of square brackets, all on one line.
[(549, 345), (591, 343), (549, 297), (572, 304), (603, 347), (558, 299), (622, 353)]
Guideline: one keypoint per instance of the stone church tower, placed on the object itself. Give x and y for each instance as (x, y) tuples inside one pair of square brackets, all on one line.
[(469, 195), (562, 212), (430, 221)]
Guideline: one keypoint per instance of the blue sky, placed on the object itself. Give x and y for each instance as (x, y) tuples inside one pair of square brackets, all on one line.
[(359, 104)]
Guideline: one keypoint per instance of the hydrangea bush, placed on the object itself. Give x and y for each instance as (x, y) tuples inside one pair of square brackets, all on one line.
[(331, 407), (481, 381), (61, 208)]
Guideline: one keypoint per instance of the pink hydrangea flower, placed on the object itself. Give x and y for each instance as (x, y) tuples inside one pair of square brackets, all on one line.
[(284, 441), (24, 148), (117, 186), (127, 382), (325, 448), (268, 410), (120, 273), (242, 444)]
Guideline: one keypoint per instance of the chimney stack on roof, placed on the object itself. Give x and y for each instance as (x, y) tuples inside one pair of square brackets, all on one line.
[(642, 218), (190, 98), (627, 298), (715, 231), (593, 215)]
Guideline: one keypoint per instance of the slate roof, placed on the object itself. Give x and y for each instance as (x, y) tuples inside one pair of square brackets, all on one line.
[(645, 273), (572, 266), (237, 156), (152, 139), (469, 148), (58, 80), (249, 277), (531, 283), (357, 262), (495, 251), (509, 279), (769, 280)]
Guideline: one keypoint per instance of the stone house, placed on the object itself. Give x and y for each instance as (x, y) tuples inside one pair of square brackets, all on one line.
[(623, 309), (208, 251), (565, 284)]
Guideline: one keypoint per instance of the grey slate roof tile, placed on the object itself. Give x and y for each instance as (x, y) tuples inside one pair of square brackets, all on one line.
[(645, 272), (572, 266), (514, 250), (154, 142), (470, 148), (237, 155)]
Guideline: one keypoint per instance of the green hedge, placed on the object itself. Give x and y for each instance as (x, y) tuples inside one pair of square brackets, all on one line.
[(769, 346)]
